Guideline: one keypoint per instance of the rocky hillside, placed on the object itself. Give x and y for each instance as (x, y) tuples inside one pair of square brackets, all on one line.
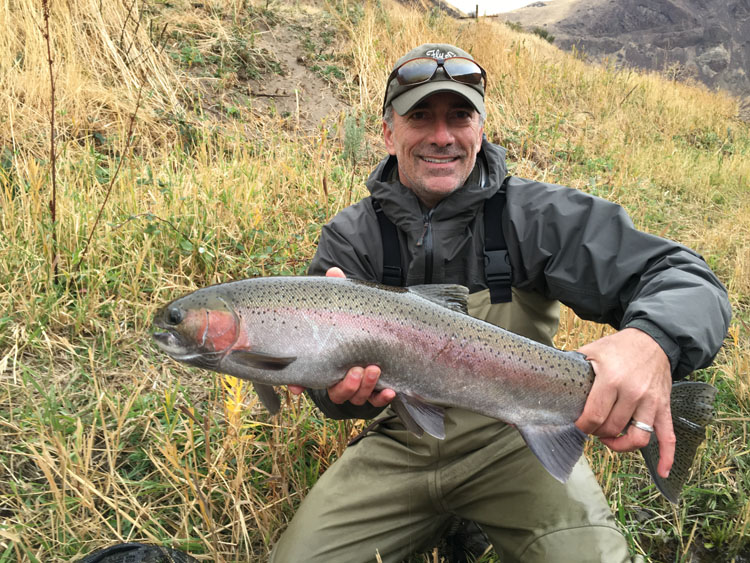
[(707, 40)]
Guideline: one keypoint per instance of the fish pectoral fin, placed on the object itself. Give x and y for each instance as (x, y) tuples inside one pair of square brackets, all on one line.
[(267, 396), (419, 417), (692, 409), (260, 360), (557, 447)]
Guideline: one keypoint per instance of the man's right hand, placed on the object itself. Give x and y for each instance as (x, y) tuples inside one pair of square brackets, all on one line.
[(358, 385)]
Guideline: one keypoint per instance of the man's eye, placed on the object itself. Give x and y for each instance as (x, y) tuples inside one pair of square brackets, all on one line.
[(418, 115)]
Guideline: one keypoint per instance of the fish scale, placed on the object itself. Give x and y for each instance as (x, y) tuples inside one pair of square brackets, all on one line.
[(309, 331)]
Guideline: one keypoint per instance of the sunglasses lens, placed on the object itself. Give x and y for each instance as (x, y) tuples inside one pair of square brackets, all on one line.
[(463, 70), (416, 71)]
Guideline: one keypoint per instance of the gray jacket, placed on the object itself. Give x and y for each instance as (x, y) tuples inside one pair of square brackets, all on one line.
[(564, 245)]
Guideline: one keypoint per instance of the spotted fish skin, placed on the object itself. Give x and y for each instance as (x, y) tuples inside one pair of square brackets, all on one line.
[(310, 330)]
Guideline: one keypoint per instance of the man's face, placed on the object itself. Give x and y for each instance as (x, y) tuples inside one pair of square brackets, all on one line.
[(436, 144)]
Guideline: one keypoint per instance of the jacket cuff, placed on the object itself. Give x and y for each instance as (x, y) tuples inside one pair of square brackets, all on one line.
[(343, 411), (670, 347)]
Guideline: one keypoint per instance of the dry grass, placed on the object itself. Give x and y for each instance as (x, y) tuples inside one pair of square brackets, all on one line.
[(103, 440)]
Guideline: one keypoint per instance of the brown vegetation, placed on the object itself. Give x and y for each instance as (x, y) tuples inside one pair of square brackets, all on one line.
[(102, 438)]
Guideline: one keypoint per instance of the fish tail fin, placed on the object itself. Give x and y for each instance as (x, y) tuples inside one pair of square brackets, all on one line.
[(692, 409), (557, 447)]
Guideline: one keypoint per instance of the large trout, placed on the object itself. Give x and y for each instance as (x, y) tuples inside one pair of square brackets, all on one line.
[(310, 330)]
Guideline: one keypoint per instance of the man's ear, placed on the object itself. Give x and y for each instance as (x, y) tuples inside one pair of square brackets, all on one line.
[(388, 138), (481, 136)]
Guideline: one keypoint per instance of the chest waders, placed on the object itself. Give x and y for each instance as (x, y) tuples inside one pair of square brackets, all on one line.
[(497, 270)]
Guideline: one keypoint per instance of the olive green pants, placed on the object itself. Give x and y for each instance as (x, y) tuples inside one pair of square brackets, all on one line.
[(393, 494)]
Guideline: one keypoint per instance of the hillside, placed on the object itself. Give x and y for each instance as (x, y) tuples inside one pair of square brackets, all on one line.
[(707, 41), (200, 142)]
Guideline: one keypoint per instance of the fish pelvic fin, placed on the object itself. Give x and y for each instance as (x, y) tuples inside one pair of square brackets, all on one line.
[(692, 410), (419, 417), (267, 396), (557, 447)]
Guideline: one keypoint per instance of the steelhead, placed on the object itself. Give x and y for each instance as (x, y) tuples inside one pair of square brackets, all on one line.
[(310, 330)]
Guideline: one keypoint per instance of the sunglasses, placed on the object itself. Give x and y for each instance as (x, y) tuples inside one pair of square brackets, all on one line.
[(422, 69)]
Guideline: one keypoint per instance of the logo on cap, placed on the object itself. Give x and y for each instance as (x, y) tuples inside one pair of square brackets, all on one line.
[(438, 54)]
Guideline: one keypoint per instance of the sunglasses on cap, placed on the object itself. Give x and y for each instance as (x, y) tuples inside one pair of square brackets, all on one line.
[(422, 69)]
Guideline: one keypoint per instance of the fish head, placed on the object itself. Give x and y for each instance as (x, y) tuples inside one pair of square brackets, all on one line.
[(198, 329)]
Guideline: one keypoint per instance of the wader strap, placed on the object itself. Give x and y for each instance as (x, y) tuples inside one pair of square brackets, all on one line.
[(497, 271), (392, 273), (369, 428)]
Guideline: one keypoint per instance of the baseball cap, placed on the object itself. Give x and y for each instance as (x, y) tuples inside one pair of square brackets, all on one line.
[(404, 97)]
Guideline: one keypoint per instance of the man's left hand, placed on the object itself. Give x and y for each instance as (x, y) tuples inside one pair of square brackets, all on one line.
[(633, 381)]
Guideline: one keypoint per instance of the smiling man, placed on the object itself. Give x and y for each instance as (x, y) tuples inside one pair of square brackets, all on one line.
[(436, 144), (444, 210)]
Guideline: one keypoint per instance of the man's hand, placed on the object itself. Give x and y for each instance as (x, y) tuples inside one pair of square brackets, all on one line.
[(358, 385), (633, 381)]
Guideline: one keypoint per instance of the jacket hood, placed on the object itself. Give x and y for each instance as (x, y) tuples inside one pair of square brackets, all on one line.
[(403, 207)]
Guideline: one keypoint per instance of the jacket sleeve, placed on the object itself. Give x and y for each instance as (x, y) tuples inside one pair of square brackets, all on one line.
[(585, 252), (350, 242)]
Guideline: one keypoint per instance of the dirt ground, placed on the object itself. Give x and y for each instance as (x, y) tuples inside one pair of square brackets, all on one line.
[(299, 92)]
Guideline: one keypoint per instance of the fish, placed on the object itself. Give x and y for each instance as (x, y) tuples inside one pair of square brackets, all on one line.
[(309, 331)]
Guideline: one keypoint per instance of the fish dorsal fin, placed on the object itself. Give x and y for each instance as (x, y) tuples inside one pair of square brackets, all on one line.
[(419, 417), (451, 296), (267, 396), (557, 447)]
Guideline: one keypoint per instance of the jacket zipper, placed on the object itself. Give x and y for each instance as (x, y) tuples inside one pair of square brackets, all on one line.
[(426, 241)]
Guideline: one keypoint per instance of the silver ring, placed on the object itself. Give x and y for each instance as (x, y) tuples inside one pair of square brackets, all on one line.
[(641, 425)]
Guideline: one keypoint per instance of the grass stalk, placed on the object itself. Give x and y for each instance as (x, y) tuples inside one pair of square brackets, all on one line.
[(126, 150), (55, 257)]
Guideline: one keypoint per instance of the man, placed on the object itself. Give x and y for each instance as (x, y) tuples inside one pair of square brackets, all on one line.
[(391, 493)]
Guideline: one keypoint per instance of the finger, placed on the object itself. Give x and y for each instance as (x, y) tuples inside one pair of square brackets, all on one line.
[(344, 390), (667, 441), (598, 405), (382, 398), (335, 272), (617, 423), (296, 389), (367, 385), (632, 437)]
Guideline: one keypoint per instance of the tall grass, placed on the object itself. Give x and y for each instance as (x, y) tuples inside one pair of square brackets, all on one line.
[(102, 439)]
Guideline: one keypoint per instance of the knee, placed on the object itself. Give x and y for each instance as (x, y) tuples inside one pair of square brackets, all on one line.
[(585, 544)]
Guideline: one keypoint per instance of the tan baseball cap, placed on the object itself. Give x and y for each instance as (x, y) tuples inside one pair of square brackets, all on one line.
[(405, 97)]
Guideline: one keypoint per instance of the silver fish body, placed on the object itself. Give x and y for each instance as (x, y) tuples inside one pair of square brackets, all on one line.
[(309, 331)]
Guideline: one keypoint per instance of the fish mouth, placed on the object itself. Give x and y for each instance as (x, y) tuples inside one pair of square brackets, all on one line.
[(173, 344), (170, 342)]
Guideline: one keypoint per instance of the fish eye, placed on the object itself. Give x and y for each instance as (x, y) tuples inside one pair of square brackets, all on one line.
[(174, 315)]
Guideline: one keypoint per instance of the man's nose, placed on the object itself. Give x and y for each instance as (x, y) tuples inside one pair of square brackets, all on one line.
[(441, 134)]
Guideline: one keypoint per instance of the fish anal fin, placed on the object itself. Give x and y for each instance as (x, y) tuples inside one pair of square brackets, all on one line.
[(260, 360), (558, 447), (267, 396), (420, 417)]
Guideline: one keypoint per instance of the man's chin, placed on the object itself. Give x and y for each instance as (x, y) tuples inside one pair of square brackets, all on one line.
[(443, 184), (434, 192)]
